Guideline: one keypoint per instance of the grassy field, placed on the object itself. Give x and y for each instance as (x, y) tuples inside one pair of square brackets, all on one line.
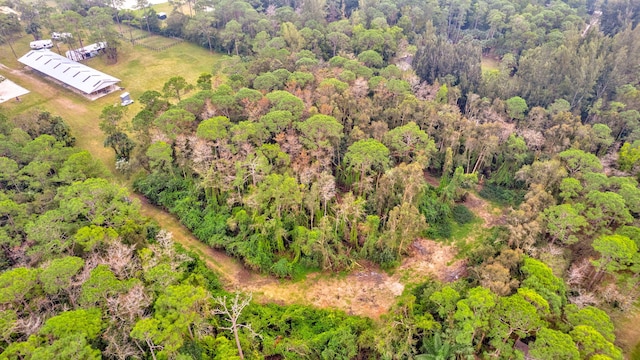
[(139, 69), (132, 32), (157, 41)]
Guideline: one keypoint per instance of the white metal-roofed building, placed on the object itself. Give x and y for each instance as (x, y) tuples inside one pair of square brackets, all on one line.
[(81, 78)]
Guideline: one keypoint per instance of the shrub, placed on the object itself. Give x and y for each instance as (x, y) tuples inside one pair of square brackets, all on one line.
[(501, 195), (461, 214)]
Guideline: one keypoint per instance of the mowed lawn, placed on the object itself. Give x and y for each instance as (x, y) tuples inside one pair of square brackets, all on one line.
[(140, 69)]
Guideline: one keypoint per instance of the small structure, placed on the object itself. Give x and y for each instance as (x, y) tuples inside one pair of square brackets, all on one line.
[(162, 16), (80, 78), (10, 90), (125, 99), (86, 52), (60, 36), (41, 44)]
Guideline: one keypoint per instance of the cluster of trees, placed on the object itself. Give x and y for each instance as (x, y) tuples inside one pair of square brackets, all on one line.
[(297, 161), (84, 276), (459, 320), (311, 150)]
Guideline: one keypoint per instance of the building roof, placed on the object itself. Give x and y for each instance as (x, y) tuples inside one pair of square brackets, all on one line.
[(74, 74)]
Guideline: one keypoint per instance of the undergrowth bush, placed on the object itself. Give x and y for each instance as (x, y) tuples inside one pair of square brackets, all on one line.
[(461, 214), (502, 195)]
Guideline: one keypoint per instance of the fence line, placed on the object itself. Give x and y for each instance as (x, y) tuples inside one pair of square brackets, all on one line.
[(136, 41), (159, 48)]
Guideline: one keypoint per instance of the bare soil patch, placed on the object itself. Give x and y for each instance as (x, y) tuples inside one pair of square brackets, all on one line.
[(491, 216), (431, 180)]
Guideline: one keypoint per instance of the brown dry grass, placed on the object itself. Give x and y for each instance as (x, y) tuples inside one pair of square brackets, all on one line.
[(627, 328)]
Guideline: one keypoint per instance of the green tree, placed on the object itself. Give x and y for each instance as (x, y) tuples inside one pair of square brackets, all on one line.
[(591, 316), (606, 210), (403, 226), (629, 157), (277, 194), (9, 29), (320, 131), (81, 166), (110, 119), (446, 301), (577, 162), (215, 128), (160, 156), (409, 143), (17, 286), (277, 121), (371, 58), (148, 330), (616, 252), (472, 316), (563, 222), (282, 100), (514, 315), (73, 347), (102, 283), (180, 310), (174, 122), (231, 36), (84, 322), (58, 275), (540, 278), (365, 158), (93, 237), (121, 144), (175, 87), (591, 343), (516, 107), (553, 344), (292, 36), (96, 201)]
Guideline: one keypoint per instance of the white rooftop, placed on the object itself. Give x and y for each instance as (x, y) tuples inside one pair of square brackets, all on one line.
[(10, 90), (74, 74)]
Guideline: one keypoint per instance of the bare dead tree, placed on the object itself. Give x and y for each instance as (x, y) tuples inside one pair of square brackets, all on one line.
[(120, 259), (231, 313), (119, 346)]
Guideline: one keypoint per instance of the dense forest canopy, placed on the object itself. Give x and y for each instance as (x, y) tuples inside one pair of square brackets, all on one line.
[(335, 134)]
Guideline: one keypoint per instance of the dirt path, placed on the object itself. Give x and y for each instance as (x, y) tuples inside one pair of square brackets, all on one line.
[(367, 291), (491, 215)]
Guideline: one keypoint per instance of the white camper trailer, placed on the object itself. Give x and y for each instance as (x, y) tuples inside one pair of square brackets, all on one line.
[(41, 44), (86, 52)]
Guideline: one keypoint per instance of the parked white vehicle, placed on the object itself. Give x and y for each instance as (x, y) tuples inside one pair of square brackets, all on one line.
[(60, 36), (41, 44)]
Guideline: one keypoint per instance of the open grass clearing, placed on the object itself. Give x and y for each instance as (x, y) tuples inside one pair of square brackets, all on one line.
[(130, 32), (156, 41)]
